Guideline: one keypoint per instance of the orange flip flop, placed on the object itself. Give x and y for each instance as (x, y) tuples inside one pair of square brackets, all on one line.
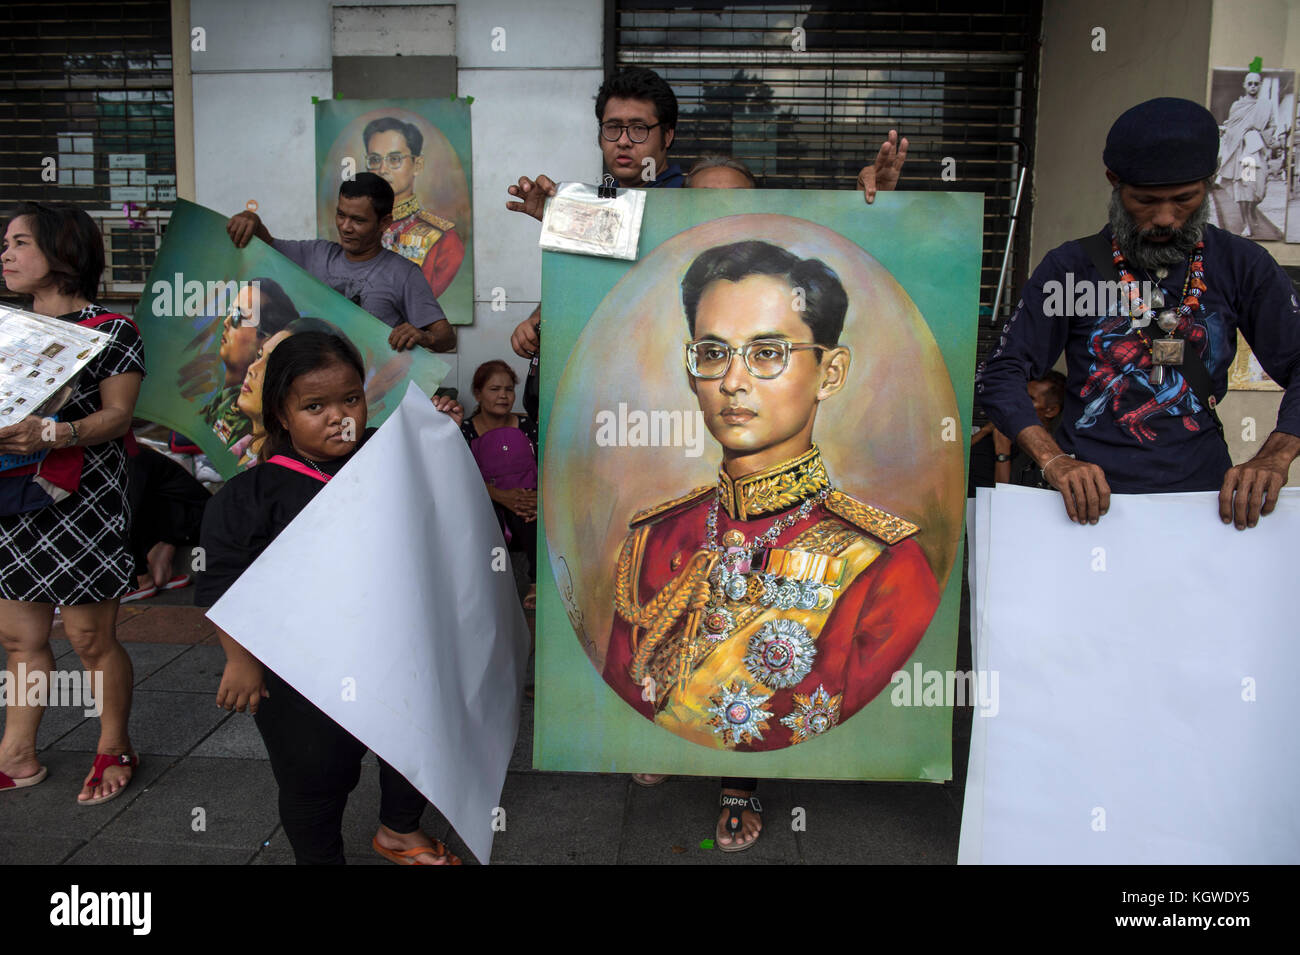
[(407, 856)]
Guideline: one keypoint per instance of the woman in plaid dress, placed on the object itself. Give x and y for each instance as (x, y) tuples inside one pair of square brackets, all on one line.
[(74, 553)]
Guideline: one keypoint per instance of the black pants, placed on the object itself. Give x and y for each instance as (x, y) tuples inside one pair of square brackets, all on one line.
[(523, 537), (317, 763), (166, 504), (731, 782)]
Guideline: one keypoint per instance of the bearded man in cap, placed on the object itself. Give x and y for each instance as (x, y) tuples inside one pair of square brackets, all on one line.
[(1148, 322)]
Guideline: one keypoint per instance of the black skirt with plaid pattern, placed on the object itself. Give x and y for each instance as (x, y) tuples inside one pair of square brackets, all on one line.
[(76, 551)]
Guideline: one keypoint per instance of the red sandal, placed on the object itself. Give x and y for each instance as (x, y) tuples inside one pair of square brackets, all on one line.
[(8, 782), (102, 762)]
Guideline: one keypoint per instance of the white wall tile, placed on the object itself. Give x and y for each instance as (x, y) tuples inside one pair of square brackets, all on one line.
[(538, 33), (267, 153), (261, 35), (525, 123)]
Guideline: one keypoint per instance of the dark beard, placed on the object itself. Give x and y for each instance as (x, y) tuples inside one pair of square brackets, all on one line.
[(1140, 251)]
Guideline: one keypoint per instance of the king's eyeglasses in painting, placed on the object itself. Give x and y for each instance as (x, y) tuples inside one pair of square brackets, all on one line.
[(764, 358)]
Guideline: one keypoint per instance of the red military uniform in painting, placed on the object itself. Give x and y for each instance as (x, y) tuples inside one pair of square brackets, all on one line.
[(737, 640), (427, 240)]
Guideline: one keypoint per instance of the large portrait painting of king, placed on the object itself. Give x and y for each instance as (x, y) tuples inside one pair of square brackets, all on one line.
[(753, 482)]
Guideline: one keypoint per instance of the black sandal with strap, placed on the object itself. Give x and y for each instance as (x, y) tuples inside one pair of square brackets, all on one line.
[(735, 805)]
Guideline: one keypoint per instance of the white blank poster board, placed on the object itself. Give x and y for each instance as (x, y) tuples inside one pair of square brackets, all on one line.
[(1147, 712), (390, 604)]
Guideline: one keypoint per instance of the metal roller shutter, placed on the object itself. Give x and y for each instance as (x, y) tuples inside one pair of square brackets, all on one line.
[(86, 118)]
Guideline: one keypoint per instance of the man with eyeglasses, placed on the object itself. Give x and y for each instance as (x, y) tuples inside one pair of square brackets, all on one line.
[(393, 151), (761, 611), (636, 113), (359, 268)]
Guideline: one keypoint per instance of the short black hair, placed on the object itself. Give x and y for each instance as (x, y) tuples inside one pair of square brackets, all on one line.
[(637, 82), (375, 187), (71, 244), (825, 301), (310, 323), (299, 355), (275, 310), (1056, 382), (390, 124)]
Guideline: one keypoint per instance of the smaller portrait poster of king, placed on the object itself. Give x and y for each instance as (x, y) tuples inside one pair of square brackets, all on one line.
[(753, 485), (422, 147)]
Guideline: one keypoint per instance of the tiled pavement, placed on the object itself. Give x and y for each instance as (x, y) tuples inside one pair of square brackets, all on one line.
[(201, 764)]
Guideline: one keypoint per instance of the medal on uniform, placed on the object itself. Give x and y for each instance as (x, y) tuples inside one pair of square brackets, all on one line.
[(737, 714), (717, 623), (812, 715), (808, 595), (780, 653)]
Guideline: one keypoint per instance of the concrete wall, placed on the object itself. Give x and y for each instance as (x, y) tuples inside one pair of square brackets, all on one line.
[(254, 121), (1156, 48)]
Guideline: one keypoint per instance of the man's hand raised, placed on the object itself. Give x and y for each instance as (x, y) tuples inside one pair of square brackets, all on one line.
[(243, 226), (532, 195), (1250, 490), (525, 340), (884, 173)]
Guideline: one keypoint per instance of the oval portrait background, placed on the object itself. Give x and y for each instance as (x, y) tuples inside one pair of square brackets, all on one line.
[(881, 437), (441, 186)]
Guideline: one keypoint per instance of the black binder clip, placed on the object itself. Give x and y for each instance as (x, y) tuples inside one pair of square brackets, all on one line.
[(608, 189)]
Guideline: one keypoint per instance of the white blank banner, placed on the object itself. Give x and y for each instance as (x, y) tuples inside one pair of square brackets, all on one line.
[(1146, 668), (395, 578)]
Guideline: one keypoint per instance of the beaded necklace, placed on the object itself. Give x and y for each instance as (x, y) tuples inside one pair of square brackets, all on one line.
[(1193, 286), (1169, 320)]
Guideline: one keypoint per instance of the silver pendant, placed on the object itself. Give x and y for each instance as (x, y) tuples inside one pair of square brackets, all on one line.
[(1157, 297), (807, 595), (1167, 351), (736, 587), (1157, 376), (1167, 320)]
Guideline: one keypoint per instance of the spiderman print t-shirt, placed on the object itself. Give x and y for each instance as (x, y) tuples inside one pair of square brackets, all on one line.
[(1148, 437)]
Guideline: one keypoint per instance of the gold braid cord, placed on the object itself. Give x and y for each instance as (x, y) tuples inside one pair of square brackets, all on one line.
[(688, 591)]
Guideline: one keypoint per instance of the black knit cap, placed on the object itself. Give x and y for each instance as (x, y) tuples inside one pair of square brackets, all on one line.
[(1163, 142)]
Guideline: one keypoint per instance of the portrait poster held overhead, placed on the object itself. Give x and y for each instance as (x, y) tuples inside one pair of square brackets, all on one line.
[(750, 620), (422, 148), (211, 315)]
